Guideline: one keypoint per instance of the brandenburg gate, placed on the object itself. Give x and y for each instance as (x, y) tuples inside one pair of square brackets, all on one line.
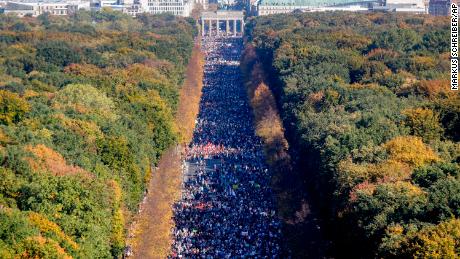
[(231, 20)]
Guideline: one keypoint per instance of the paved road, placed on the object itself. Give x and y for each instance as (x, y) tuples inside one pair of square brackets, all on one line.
[(227, 207)]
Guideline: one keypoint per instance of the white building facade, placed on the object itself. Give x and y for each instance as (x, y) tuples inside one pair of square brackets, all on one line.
[(130, 7), (175, 7), (267, 7), (53, 8), (405, 6)]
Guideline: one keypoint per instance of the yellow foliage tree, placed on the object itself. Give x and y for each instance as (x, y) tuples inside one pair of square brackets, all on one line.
[(440, 241), (410, 150), (420, 63), (41, 247), (433, 241), (47, 226), (118, 221), (423, 123), (12, 107), (85, 99), (189, 98)]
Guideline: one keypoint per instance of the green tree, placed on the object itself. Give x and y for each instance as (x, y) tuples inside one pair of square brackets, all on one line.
[(58, 53), (398, 39), (436, 41)]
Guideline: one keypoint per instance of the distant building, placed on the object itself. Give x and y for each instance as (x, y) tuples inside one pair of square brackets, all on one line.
[(440, 7), (133, 8), (37, 8), (406, 6), (266, 7), (175, 7), (97, 5), (203, 3), (130, 7)]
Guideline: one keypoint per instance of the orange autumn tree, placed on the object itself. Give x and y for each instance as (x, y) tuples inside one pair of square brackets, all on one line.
[(46, 159), (87, 105), (371, 119)]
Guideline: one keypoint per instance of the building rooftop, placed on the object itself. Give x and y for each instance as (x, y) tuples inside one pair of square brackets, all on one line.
[(311, 3), (223, 14)]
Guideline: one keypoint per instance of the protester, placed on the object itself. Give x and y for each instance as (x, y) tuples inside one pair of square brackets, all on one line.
[(227, 208)]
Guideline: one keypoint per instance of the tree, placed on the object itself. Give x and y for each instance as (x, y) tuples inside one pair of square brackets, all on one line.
[(436, 41), (388, 203), (59, 53), (397, 39), (410, 150), (40, 247), (444, 199), (12, 107), (440, 241), (450, 116), (85, 99), (86, 108), (423, 123), (427, 175), (350, 109)]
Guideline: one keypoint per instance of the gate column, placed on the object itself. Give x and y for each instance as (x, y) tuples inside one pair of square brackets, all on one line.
[(202, 27), (210, 27), (231, 19)]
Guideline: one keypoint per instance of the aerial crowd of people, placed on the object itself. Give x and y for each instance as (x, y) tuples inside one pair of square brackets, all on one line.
[(227, 209)]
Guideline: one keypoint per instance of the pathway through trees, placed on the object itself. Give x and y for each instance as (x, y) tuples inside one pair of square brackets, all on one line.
[(227, 208)]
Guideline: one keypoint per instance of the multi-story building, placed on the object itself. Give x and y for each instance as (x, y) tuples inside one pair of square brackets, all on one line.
[(266, 7), (37, 8), (203, 3), (97, 5), (175, 7), (131, 7), (406, 6), (440, 7)]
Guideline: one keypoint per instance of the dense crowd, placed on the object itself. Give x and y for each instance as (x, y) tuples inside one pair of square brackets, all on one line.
[(227, 207)]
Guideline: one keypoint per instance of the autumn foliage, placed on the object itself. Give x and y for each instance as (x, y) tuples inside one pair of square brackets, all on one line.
[(190, 96), (293, 207), (410, 150), (150, 232), (12, 106), (87, 108), (372, 127), (46, 160)]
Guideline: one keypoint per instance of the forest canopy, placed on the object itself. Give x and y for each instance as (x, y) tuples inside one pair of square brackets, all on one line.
[(86, 110), (372, 124)]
